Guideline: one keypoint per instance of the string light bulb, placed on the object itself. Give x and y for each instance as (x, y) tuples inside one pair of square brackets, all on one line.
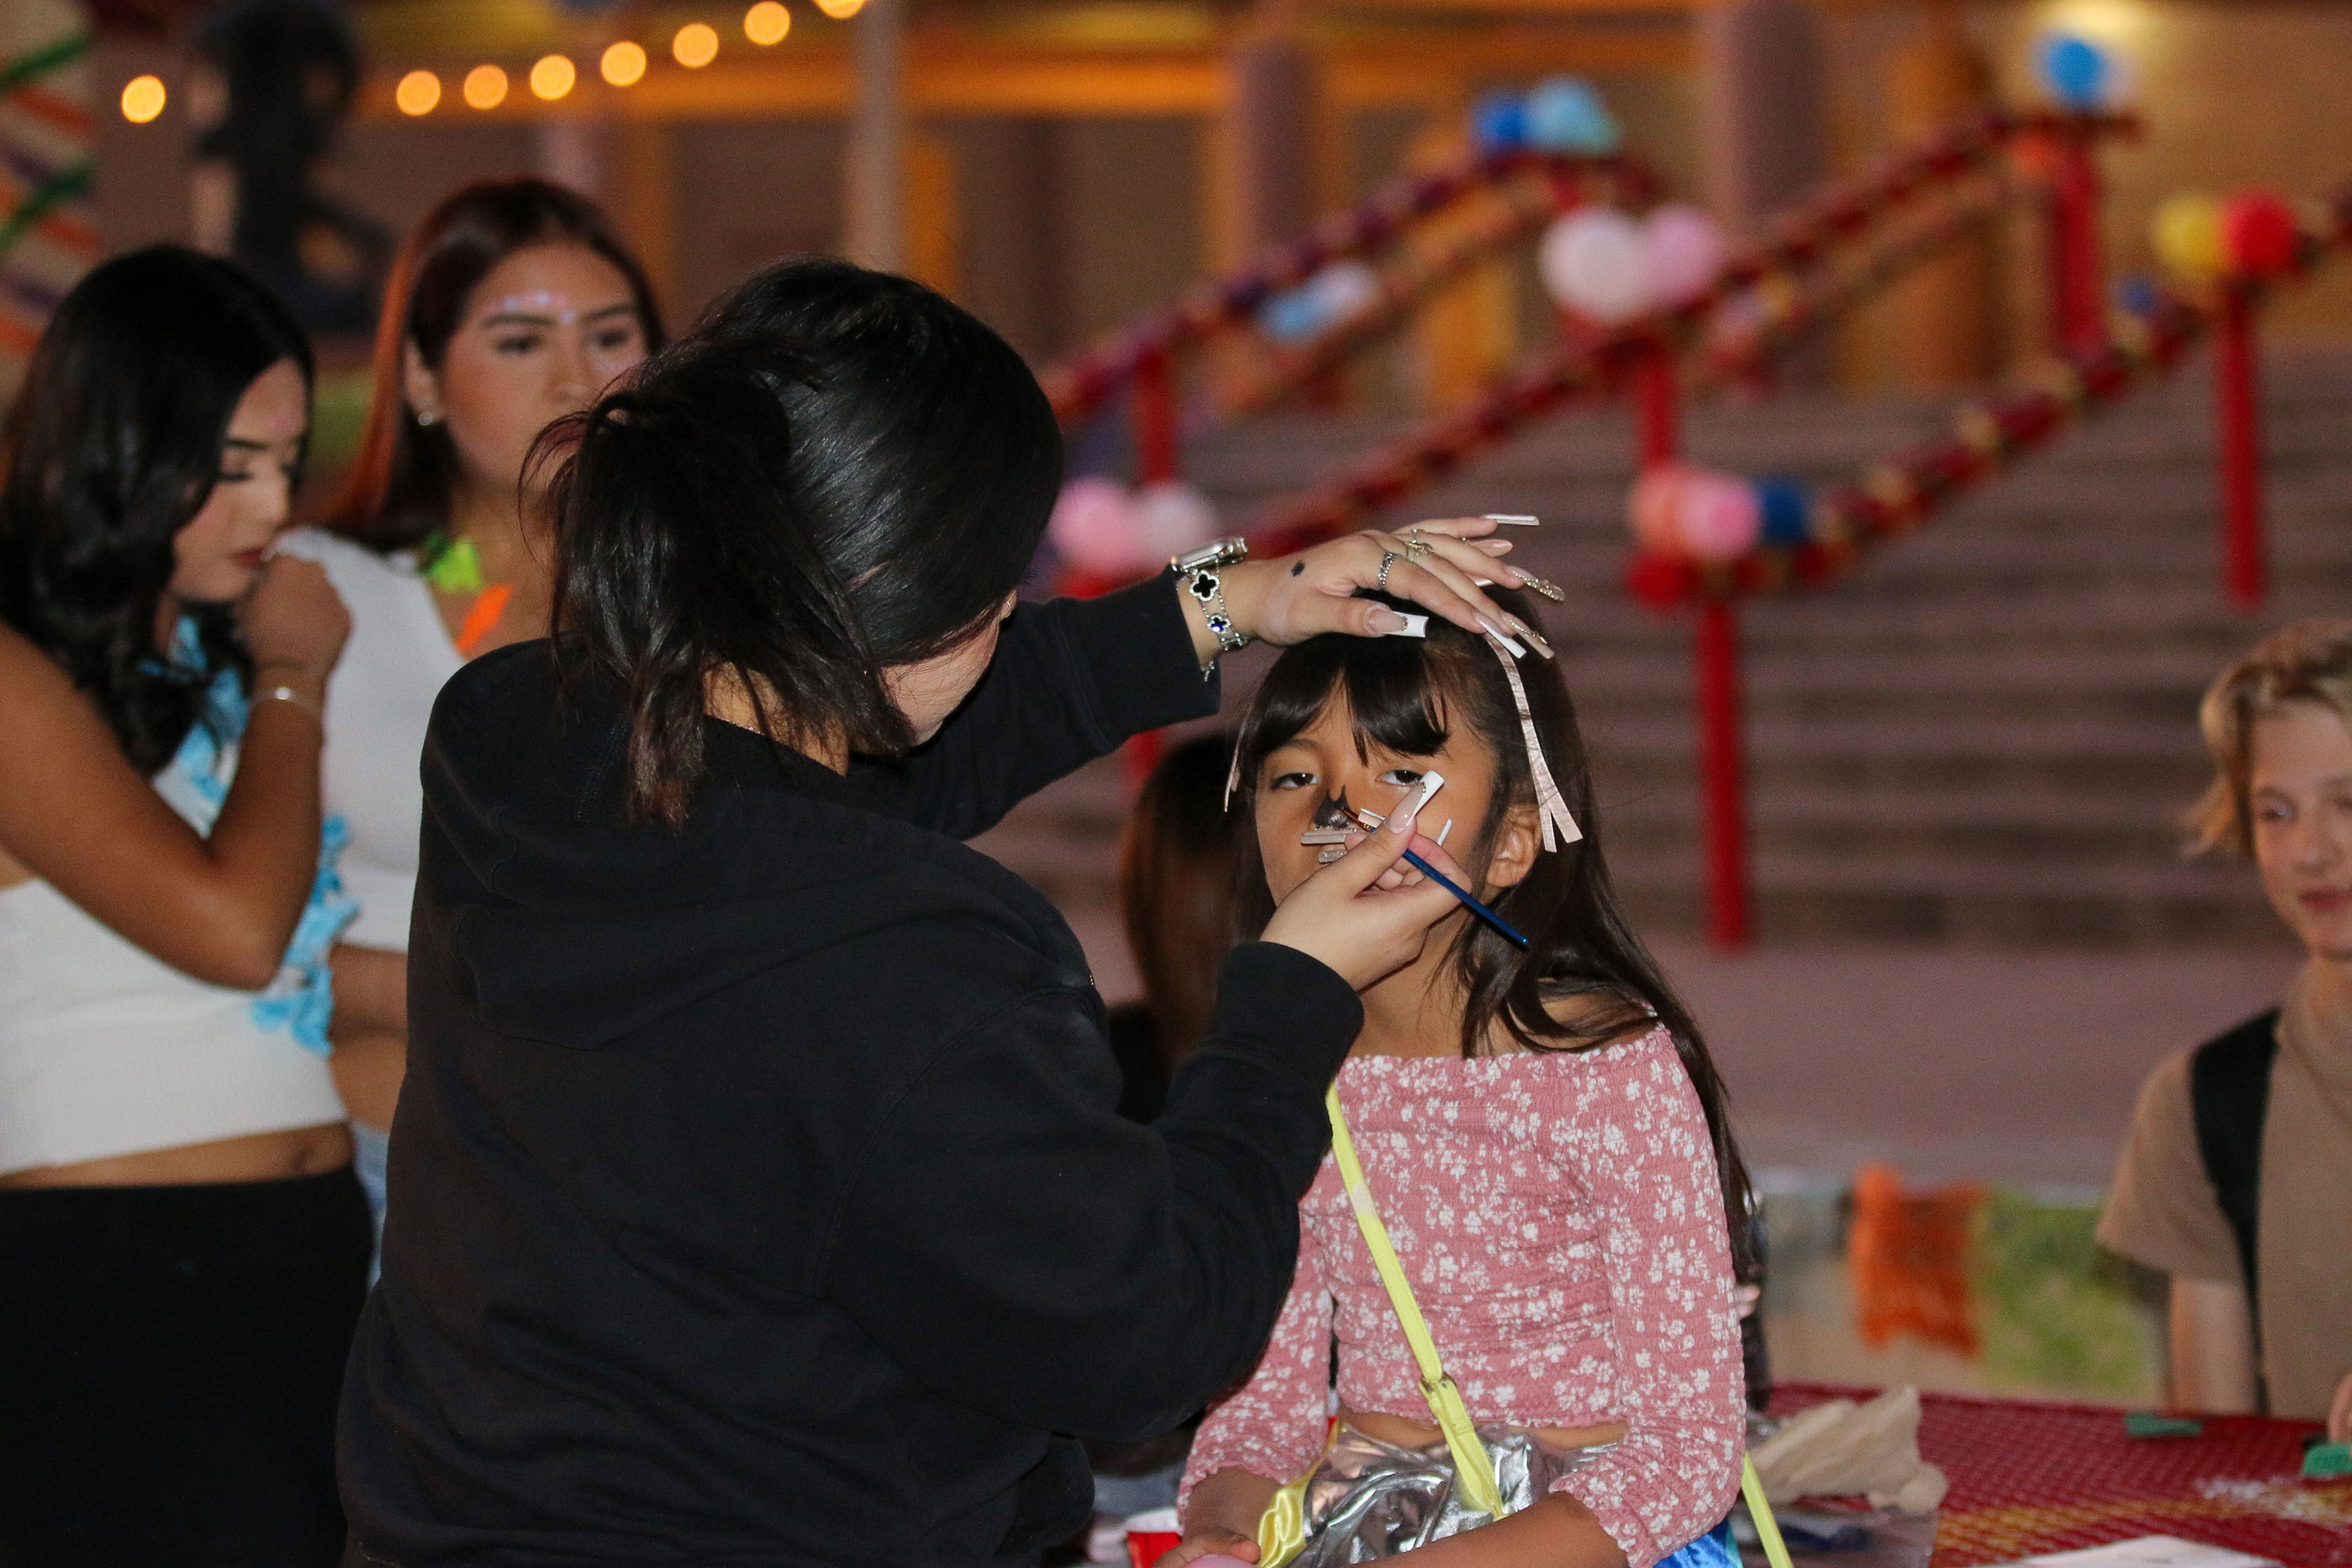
[(767, 23), (484, 86), (841, 10), (696, 45), (419, 93), (142, 98), (552, 77), (624, 64)]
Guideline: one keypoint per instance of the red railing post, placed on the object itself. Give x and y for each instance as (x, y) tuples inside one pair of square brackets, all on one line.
[(1657, 432), (1154, 409), (2078, 306), (2236, 399), (1722, 760), (1722, 770)]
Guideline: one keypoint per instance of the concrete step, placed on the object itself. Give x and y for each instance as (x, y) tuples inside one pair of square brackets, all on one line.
[(1987, 734)]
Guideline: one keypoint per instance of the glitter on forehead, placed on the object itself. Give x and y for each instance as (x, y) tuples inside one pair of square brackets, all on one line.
[(539, 301)]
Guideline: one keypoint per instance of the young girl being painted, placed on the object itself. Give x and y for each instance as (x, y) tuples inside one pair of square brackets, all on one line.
[(1541, 1130)]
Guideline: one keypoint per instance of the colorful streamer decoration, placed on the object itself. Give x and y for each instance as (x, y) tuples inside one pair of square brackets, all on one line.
[(47, 134)]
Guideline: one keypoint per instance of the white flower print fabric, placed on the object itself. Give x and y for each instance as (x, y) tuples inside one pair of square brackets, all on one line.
[(1560, 1217)]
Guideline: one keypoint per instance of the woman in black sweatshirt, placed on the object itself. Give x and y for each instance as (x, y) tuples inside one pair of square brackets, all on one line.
[(756, 1192)]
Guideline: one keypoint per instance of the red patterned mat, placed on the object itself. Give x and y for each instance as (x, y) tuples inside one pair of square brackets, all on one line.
[(2030, 1478)]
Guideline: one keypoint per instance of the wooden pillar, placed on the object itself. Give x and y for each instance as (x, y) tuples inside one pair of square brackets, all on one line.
[(1947, 310), (875, 220), (1763, 86), (1270, 134), (643, 199)]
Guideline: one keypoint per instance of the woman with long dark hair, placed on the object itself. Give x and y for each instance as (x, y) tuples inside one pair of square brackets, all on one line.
[(1541, 1124), (183, 1247), (757, 1190), (512, 304)]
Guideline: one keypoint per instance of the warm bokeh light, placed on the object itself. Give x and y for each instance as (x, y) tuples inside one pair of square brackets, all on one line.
[(624, 64), (767, 23), (485, 86), (552, 77), (142, 98), (695, 46), (419, 93), (841, 10)]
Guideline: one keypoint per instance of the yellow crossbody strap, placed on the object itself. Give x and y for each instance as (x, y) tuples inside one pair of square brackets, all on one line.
[(1471, 1464)]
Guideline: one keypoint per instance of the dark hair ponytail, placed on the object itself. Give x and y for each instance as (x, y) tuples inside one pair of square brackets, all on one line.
[(837, 471), (1406, 694), (113, 445)]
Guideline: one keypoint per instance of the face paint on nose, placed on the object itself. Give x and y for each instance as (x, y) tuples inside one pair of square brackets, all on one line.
[(1334, 820)]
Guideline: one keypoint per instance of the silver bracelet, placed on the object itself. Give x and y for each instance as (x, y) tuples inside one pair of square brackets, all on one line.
[(1203, 583), (299, 699)]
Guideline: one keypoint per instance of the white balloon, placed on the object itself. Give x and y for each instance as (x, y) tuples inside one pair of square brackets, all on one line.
[(1346, 290), (1594, 262), (1173, 517)]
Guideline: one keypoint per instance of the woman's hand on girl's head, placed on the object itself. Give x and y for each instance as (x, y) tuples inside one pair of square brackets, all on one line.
[(1299, 596), (1367, 914), (292, 617)]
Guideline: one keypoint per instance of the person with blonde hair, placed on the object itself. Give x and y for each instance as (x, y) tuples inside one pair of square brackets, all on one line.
[(2238, 1168)]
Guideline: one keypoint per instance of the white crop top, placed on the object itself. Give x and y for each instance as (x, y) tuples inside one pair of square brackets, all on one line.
[(105, 1050), (378, 703)]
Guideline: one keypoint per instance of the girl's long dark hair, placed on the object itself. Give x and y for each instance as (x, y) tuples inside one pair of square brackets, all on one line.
[(113, 445), (1409, 695), (403, 479), (837, 471)]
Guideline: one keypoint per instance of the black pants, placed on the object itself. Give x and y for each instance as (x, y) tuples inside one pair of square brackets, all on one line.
[(170, 1359)]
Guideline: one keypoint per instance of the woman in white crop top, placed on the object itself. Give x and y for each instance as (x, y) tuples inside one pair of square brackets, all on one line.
[(182, 1241), (512, 305)]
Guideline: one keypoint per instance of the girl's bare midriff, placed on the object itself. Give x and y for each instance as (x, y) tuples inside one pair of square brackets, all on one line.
[(1410, 1433), (262, 1157)]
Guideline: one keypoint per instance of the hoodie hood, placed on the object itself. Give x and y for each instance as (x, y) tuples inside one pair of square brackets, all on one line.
[(574, 926)]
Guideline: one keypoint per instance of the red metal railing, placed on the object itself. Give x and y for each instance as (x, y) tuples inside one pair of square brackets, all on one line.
[(1642, 357)]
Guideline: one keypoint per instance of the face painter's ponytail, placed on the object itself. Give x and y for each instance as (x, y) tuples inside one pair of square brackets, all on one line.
[(837, 471)]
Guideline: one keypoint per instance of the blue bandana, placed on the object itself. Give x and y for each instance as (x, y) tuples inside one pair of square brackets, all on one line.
[(301, 999)]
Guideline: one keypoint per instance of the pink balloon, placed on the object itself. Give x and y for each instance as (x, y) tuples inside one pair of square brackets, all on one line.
[(1094, 526), (1686, 252), (1652, 508), (1717, 518)]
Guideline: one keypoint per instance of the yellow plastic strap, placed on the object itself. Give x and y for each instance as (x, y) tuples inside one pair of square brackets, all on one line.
[(1470, 1461), (1768, 1529)]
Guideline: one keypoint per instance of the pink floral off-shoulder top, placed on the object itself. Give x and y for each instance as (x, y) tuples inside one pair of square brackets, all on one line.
[(1560, 1217)]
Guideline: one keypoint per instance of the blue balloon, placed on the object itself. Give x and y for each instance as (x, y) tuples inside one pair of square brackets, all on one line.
[(1565, 115), (2076, 71), (2138, 294), (1788, 512), (1294, 315), (1497, 120)]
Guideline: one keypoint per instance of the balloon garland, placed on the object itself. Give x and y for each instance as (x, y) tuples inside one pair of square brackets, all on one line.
[(1078, 386), (1769, 275), (1804, 539)]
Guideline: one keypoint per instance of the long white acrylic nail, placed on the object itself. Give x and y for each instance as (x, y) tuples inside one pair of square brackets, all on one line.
[(1518, 649), (1513, 519), (1444, 830), (1414, 627)]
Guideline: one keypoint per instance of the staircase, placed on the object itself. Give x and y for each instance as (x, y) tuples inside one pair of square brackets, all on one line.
[(1986, 736)]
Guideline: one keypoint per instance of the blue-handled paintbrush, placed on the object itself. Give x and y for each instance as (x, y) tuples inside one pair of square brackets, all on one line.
[(1431, 783)]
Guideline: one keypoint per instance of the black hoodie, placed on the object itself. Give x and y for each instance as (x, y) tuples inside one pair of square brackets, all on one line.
[(757, 1192)]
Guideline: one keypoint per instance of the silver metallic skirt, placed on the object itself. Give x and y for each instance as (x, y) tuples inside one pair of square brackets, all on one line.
[(1367, 1500)]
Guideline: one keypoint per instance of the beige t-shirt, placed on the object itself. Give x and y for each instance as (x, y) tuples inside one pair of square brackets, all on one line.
[(2162, 1212)]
